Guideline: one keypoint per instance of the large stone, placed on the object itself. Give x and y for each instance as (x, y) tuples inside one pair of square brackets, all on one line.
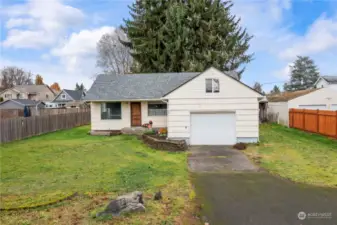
[(132, 202)]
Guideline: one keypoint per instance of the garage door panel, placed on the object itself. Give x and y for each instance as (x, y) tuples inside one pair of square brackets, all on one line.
[(213, 129)]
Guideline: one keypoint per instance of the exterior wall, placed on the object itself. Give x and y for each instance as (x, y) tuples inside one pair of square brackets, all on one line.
[(322, 83), (233, 97), (10, 105), (325, 96), (98, 124), (158, 121), (279, 111), (9, 92)]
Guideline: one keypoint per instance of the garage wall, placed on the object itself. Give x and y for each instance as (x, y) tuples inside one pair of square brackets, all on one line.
[(323, 98), (233, 97)]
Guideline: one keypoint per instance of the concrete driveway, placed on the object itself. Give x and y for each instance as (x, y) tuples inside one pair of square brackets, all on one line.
[(233, 191)]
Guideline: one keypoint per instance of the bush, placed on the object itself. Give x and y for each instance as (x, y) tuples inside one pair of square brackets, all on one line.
[(240, 146), (150, 132)]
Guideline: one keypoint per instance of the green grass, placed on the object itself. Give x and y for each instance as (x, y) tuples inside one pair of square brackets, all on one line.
[(41, 169), (296, 155)]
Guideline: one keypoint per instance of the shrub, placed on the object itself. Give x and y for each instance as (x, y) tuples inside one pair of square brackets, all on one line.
[(150, 132), (240, 146)]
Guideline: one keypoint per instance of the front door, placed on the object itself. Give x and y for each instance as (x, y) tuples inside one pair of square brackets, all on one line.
[(136, 114)]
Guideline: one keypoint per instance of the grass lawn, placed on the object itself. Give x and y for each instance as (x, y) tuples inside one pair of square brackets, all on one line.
[(296, 155), (46, 168)]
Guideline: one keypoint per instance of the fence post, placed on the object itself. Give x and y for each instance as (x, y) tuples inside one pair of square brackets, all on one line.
[(304, 119), (317, 120)]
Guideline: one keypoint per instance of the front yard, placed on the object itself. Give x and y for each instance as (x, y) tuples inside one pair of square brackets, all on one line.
[(296, 155), (45, 169)]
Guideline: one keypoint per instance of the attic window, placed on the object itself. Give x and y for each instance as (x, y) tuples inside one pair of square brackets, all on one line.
[(212, 85), (63, 96)]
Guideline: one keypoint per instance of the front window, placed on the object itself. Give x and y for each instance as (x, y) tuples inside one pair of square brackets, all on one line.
[(212, 85), (111, 111), (157, 109)]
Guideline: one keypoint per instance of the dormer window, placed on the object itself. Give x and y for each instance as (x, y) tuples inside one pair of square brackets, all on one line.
[(212, 85)]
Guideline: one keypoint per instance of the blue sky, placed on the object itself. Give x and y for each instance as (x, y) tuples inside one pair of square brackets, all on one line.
[(57, 39)]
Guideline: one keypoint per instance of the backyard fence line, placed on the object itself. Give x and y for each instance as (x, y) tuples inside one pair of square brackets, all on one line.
[(316, 121), (23, 127), (12, 113)]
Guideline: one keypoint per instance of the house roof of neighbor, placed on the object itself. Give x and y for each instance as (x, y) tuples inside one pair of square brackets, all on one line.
[(32, 88), (24, 102), (286, 96), (74, 94), (330, 79), (139, 86)]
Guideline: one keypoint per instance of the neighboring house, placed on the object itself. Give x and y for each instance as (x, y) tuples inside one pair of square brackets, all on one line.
[(32, 92), (20, 104), (326, 81), (204, 108), (66, 97), (323, 98), (51, 105)]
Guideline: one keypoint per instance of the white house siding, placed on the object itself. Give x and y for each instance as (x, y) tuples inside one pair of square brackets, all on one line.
[(158, 121), (280, 111), (98, 124), (316, 100), (233, 97)]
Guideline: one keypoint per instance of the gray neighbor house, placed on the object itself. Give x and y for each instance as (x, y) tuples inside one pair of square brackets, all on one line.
[(20, 104), (69, 98)]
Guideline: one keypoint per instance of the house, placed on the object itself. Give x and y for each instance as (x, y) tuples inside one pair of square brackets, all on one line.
[(20, 104), (279, 105), (326, 81), (204, 108), (33, 92), (66, 97)]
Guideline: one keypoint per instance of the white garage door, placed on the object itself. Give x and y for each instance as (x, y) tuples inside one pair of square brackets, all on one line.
[(213, 129)]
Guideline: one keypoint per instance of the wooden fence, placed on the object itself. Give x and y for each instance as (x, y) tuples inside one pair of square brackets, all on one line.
[(316, 121), (22, 127)]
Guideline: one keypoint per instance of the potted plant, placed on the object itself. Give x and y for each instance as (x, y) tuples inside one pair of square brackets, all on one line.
[(150, 124)]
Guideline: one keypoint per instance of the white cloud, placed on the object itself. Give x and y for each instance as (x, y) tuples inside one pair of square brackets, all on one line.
[(284, 73), (80, 47), (42, 23), (320, 37)]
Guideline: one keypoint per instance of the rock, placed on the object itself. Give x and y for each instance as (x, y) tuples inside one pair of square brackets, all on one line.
[(158, 196), (132, 202)]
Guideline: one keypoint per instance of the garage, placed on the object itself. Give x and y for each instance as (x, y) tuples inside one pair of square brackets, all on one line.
[(213, 129)]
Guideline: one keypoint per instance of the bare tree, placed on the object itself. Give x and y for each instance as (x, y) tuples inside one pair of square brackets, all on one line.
[(12, 76), (112, 55)]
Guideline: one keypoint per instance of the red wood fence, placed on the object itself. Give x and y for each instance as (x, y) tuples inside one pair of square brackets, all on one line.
[(316, 121)]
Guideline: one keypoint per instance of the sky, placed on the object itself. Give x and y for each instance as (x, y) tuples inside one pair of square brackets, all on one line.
[(57, 38)]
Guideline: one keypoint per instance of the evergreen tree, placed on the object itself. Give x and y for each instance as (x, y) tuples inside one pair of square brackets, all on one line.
[(275, 90), (304, 73), (176, 36), (257, 87), (80, 87)]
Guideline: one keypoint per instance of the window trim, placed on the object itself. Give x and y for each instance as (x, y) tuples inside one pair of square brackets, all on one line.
[(213, 83), (156, 103), (120, 110)]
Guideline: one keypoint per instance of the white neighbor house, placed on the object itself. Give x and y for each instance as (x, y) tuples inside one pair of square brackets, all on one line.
[(324, 99), (326, 81), (207, 108)]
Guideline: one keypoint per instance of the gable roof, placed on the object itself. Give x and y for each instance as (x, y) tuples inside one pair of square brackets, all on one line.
[(32, 88), (286, 96), (330, 79), (24, 102), (136, 86), (141, 86), (74, 94)]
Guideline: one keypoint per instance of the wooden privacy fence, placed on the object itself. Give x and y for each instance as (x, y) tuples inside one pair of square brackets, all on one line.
[(317, 121), (19, 128)]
